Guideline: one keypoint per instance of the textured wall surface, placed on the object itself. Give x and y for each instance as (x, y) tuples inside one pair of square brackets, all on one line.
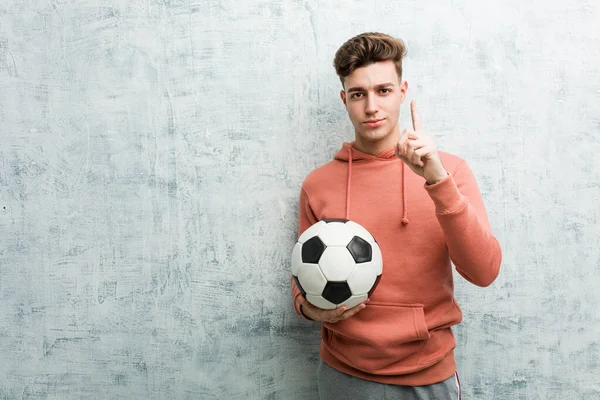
[(151, 154)]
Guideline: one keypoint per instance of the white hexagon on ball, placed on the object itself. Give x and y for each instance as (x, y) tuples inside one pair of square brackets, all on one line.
[(311, 278), (337, 264), (335, 234), (296, 258), (362, 279), (376, 258)]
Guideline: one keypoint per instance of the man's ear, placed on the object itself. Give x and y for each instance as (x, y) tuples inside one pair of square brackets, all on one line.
[(343, 96), (403, 90)]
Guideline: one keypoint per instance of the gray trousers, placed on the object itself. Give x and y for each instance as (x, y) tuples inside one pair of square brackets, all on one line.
[(335, 385)]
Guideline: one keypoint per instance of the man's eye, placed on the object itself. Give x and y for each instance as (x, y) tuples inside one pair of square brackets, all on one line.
[(356, 95), (386, 90)]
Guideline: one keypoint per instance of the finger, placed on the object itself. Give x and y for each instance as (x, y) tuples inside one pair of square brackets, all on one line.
[(347, 313), (406, 135), (333, 316), (337, 312), (397, 147), (412, 155), (416, 144), (409, 134), (417, 160), (409, 153), (415, 116), (423, 151), (416, 157), (402, 141), (352, 311)]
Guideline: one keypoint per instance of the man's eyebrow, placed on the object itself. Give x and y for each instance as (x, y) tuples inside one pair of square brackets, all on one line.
[(355, 89), (360, 89), (384, 85)]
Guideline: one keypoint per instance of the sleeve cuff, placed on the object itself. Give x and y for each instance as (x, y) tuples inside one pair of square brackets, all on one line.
[(299, 309), (446, 196)]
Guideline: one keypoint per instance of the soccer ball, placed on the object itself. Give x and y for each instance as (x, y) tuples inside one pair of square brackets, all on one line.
[(336, 263)]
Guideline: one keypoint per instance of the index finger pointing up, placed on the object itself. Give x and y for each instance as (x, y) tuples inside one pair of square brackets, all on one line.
[(415, 116)]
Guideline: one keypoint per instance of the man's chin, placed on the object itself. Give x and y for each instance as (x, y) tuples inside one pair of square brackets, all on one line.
[(374, 135)]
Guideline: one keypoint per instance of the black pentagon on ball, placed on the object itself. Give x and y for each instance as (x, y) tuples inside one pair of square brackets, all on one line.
[(360, 249), (299, 286), (336, 292), (312, 250)]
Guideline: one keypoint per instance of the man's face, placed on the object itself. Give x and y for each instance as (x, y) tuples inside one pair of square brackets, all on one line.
[(372, 96)]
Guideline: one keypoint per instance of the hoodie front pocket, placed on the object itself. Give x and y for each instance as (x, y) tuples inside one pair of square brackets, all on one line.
[(381, 335)]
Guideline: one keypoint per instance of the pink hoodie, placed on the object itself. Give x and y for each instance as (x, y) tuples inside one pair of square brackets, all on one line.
[(404, 335)]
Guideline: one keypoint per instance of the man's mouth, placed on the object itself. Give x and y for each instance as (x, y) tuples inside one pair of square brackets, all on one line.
[(373, 123)]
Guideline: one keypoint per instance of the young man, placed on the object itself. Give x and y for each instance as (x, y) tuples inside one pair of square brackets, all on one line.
[(425, 210)]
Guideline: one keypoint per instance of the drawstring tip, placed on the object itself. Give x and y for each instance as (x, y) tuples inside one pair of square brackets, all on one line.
[(405, 221)]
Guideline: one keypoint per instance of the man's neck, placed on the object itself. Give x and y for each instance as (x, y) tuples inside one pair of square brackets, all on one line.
[(379, 146)]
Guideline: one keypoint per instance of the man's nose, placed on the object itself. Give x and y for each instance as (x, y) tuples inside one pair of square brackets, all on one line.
[(371, 106)]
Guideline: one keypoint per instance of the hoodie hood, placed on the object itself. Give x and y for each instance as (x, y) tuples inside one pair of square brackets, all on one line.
[(348, 153)]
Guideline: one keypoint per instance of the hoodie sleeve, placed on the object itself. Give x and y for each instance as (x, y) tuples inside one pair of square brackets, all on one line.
[(460, 210), (306, 218)]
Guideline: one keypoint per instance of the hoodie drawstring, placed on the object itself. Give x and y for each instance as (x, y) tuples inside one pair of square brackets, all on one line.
[(349, 181), (404, 208)]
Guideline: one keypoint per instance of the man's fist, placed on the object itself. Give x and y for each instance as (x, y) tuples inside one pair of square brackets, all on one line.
[(419, 152), (331, 316)]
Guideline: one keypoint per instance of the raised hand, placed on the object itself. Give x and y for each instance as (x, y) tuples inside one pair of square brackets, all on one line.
[(331, 316), (418, 151)]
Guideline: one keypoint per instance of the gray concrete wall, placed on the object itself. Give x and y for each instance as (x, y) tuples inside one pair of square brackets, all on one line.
[(151, 154)]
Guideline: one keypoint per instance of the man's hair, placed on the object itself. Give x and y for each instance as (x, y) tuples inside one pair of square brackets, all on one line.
[(368, 48)]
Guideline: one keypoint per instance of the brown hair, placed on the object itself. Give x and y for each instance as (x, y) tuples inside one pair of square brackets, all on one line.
[(368, 48)]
